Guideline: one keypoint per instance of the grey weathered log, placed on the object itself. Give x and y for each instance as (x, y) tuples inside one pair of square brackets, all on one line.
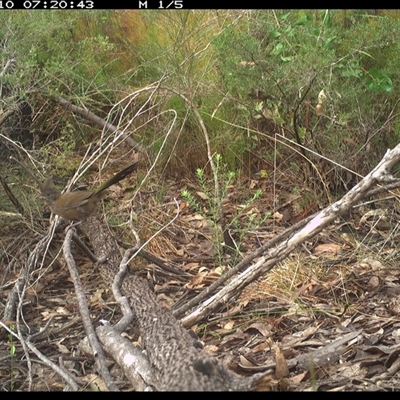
[(178, 360), (136, 366)]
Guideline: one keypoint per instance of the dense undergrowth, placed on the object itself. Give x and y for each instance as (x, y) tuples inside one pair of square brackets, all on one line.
[(254, 119)]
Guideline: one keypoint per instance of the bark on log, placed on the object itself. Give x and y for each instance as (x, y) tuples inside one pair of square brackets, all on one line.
[(178, 361)]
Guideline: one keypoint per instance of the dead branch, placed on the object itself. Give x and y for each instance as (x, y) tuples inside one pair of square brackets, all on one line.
[(380, 174), (16, 295), (205, 294), (10, 63), (97, 120), (11, 196), (13, 311), (136, 366), (84, 311)]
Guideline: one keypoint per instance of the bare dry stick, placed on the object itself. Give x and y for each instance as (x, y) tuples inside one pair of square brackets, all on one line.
[(179, 311), (9, 63), (84, 311), (380, 174), (97, 120)]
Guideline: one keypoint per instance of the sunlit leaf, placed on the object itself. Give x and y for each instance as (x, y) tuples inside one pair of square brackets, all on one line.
[(277, 49), (275, 34), (302, 20), (377, 81)]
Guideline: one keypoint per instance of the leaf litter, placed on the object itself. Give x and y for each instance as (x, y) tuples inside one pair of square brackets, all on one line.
[(325, 319)]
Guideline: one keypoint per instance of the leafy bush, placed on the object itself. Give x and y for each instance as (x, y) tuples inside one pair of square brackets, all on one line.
[(328, 88)]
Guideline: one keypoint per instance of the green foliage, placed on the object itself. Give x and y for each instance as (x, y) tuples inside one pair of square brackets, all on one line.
[(377, 81), (67, 53), (213, 201), (192, 200), (251, 224), (251, 68), (210, 206), (270, 59), (53, 50)]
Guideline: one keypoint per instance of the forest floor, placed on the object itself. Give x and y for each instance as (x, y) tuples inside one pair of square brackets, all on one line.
[(325, 319)]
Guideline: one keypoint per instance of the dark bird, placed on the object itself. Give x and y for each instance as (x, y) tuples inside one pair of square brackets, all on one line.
[(79, 205)]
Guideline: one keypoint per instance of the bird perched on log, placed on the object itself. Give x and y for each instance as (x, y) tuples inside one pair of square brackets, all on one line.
[(79, 205)]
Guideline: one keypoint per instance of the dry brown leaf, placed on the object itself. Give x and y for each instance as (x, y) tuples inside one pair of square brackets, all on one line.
[(95, 382), (190, 217), (264, 384), (211, 349), (277, 216), (374, 281), (202, 195), (182, 205), (197, 281), (245, 362), (96, 298), (368, 263), (298, 378), (63, 349), (253, 183), (63, 311), (281, 369), (265, 330), (229, 325), (327, 249), (261, 347), (371, 217)]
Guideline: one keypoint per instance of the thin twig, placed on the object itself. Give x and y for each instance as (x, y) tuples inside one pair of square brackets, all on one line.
[(44, 359), (84, 311)]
